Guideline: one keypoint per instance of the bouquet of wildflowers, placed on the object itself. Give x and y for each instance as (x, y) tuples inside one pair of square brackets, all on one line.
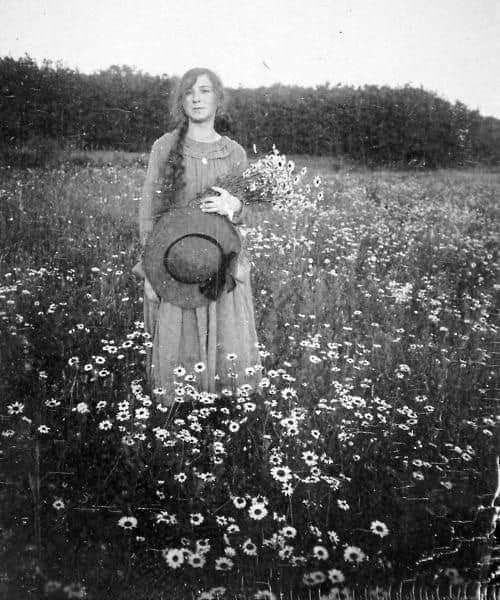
[(272, 180)]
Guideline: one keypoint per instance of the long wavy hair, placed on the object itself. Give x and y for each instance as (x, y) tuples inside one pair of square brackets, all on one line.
[(174, 180)]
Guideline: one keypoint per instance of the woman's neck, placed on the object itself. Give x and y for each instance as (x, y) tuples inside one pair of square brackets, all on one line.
[(202, 132)]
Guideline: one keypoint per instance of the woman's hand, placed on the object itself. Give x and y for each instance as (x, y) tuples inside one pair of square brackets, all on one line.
[(151, 295), (225, 204)]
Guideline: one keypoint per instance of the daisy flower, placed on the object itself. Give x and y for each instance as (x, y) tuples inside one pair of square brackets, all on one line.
[(173, 557), (343, 504), (310, 458), (336, 576), (257, 511), (334, 538), (165, 517), (281, 473), (52, 403), (354, 554), (320, 552), (15, 408), (223, 563), (128, 522), (196, 519), (314, 578), (288, 531), (379, 528), (288, 393), (141, 413), (197, 561), (239, 502), (199, 367), (285, 552), (203, 546), (249, 547)]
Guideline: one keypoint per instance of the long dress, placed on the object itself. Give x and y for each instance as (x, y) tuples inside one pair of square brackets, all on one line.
[(219, 338)]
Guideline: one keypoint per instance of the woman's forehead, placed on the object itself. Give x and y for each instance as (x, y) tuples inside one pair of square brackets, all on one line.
[(203, 80)]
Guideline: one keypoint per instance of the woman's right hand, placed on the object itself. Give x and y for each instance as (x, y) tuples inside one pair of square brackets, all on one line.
[(151, 295)]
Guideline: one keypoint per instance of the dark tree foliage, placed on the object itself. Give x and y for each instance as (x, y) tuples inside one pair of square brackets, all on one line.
[(126, 109)]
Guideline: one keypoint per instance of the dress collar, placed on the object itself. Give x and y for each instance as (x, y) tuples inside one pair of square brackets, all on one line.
[(218, 149)]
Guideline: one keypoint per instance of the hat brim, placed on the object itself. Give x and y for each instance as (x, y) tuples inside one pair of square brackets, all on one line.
[(171, 226)]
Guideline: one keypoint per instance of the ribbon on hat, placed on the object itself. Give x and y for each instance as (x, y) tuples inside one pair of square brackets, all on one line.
[(214, 285)]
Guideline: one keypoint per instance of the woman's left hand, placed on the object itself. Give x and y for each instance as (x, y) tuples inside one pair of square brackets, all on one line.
[(225, 204)]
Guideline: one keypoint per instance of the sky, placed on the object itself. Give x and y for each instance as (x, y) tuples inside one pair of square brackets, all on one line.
[(450, 47)]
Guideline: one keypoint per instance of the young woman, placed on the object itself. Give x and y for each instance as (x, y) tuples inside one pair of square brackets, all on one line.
[(201, 337)]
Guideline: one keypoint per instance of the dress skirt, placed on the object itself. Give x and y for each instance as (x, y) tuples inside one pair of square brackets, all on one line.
[(219, 338)]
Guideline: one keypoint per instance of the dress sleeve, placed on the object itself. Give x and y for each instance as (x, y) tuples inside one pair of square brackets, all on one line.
[(152, 187), (241, 163)]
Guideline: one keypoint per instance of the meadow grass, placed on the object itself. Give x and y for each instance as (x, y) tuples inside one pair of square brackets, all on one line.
[(364, 466)]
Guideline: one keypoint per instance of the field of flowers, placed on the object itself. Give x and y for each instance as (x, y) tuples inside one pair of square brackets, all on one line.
[(364, 465)]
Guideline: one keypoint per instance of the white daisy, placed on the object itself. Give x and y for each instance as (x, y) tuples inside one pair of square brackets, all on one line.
[(173, 557), (128, 522), (288, 531), (257, 511), (336, 576), (223, 563), (379, 528), (320, 552), (196, 560), (196, 519), (354, 554), (249, 547)]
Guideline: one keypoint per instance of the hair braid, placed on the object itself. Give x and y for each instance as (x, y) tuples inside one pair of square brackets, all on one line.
[(177, 159)]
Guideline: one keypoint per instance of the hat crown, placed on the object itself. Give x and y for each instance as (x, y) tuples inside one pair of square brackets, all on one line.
[(193, 258)]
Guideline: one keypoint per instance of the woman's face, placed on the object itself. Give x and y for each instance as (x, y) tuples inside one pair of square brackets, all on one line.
[(200, 102)]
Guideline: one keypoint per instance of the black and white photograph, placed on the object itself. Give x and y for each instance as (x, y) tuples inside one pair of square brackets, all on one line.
[(249, 300)]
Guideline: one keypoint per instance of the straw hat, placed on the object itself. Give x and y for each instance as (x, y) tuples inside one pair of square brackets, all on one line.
[(190, 256)]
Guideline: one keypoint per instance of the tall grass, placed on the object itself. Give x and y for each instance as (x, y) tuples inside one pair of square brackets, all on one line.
[(363, 466)]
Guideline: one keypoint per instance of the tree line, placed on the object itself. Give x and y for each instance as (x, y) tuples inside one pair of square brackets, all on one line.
[(122, 108)]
